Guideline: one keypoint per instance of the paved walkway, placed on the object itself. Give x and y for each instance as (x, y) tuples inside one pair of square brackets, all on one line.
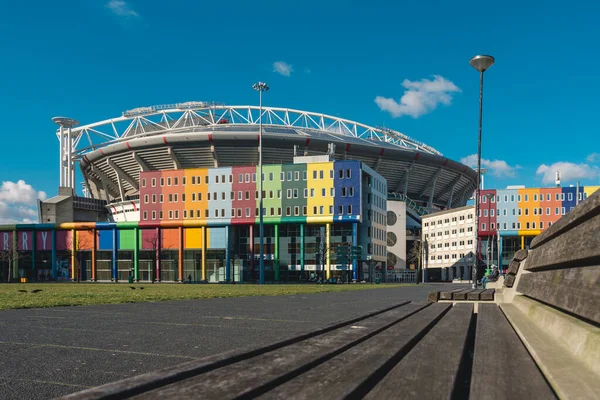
[(51, 352)]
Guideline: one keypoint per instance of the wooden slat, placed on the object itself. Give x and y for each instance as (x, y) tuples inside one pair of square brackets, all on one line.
[(576, 247), (447, 295), (576, 290), (584, 211), (433, 297), (462, 295), (474, 295), (348, 375), (431, 370), (502, 367), (129, 387), (246, 378), (487, 295)]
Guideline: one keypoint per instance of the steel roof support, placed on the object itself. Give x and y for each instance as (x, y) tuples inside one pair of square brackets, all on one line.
[(176, 163), (106, 183), (141, 163), (122, 174), (431, 183), (404, 181)]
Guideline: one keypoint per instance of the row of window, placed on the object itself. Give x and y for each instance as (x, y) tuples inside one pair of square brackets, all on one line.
[(558, 197), (291, 193), (525, 211), (221, 213), (447, 220), (516, 225), (247, 178), (446, 233), (461, 243), (448, 256)]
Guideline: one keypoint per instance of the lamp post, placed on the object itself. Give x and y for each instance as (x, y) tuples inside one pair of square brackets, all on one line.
[(260, 87), (481, 63), (489, 197)]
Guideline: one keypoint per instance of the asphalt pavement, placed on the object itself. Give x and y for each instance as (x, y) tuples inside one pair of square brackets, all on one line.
[(45, 353)]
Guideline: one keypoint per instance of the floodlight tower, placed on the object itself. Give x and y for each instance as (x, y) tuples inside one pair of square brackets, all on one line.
[(261, 87), (65, 137)]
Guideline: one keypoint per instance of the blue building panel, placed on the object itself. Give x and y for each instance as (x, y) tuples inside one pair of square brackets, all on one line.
[(347, 191), (105, 240), (218, 237)]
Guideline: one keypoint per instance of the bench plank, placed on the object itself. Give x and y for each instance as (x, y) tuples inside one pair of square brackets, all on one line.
[(350, 373), (439, 363), (576, 290), (462, 295), (576, 247), (502, 367), (474, 295), (566, 349), (584, 211), (246, 378), (433, 297), (447, 295), (487, 295)]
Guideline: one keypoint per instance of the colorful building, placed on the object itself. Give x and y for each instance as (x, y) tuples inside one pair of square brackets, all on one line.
[(510, 218), (201, 224)]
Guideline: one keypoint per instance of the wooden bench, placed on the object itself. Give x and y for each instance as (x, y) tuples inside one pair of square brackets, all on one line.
[(541, 341)]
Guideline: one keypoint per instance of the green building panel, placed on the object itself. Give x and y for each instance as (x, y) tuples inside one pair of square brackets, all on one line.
[(126, 239)]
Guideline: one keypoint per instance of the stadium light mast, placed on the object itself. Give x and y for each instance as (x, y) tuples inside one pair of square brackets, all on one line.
[(260, 87), (67, 175), (481, 63)]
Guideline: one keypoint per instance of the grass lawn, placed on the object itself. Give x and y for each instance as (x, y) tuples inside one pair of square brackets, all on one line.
[(73, 294)]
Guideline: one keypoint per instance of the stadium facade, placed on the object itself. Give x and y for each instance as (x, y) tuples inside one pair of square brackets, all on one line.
[(171, 194)]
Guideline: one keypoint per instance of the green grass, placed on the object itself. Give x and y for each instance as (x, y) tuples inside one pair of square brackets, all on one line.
[(73, 294)]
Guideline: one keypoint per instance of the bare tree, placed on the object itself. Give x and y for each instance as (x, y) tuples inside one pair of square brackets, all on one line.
[(73, 251), (415, 255), (152, 247), (10, 256)]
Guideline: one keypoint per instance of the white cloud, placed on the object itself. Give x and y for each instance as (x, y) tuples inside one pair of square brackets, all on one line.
[(499, 168), (282, 68), (420, 97), (18, 202), (593, 158), (122, 9), (569, 172)]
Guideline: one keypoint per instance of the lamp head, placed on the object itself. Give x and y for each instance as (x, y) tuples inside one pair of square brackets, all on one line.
[(260, 87), (482, 62)]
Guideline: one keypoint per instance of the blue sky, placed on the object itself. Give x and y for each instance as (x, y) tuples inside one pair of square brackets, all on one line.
[(91, 60)]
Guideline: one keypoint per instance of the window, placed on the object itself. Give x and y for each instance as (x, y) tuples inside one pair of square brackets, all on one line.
[(247, 211), (145, 215), (288, 211), (343, 191), (519, 197), (504, 226), (256, 194), (349, 208), (483, 199), (548, 197), (184, 213), (295, 193), (304, 178), (240, 178), (527, 225), (146, 199), (254, 177), (162, 182), (570, 196), (535, 197), (289, 175), (304, 209), (247, 176), (216, 178), (562, 210), (485, 213), (492, 226), (170, 214), (556, 211), (222, 213), (493, 199), (289, 194), (296, 177), (321, 174), (279, 193), (513, 212), (270, 194), (321, 209), (232, 196), (161, 198), (279, 211), (348, 173), (547, 210), (153, 182), (332, 192), (222, 195), (506, 198), (541, 225), (535, 211), (323, 192), (296, 210), (169, 181), (153, 214), (239, 212), (527, 211), (216, 213), (247, 195), (240, 196), (330, 174)]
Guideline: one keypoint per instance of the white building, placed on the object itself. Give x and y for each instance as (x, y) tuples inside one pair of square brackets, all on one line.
[(449, 239)]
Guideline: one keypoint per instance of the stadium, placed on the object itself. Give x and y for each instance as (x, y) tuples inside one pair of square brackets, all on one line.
[(147, 212)]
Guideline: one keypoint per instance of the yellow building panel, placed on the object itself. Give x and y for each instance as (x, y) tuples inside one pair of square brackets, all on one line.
[(529, 205), (320, 180), (196, 191), (193, 238), (590, 190)]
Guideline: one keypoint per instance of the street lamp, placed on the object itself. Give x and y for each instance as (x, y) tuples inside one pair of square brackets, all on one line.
[(261, 87), (489, 197), (481, 63)]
